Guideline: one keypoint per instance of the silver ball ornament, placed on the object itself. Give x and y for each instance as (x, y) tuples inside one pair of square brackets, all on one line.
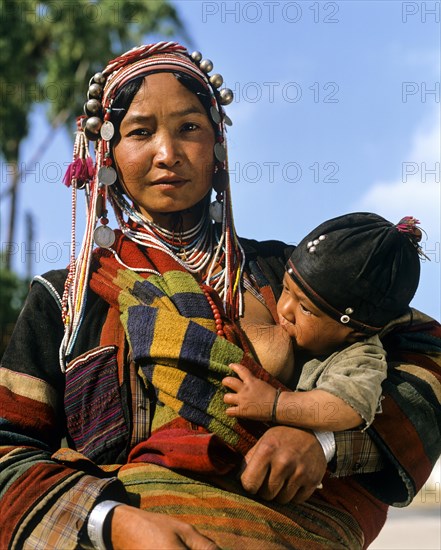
[(93, 124), (95, 91), (216, 80), (92, 107), (99, 78), (226, 96), (91, 136), (196, 56), (206, 65)]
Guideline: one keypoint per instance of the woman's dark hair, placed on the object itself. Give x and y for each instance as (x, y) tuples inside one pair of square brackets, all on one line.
[(125, 96)]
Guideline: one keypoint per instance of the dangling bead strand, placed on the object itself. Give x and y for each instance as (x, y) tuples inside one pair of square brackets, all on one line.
[(216, 313)]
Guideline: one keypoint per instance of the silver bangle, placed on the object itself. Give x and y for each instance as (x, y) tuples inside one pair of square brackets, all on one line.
[(327, 441), (96, 521)]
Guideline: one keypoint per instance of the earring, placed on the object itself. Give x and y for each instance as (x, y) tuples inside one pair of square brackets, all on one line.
[(103, 235), (221, 180), (216, 209)]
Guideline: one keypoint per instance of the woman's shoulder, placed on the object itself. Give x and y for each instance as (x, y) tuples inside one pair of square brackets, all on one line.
[(265, 261), (266, 249), (53, 281), (51, 285)]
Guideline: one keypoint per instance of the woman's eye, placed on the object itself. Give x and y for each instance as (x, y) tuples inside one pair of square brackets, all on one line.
[(189, 127), (140, 132)]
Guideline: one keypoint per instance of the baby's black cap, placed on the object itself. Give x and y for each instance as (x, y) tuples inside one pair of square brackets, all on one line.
[(359, 268)]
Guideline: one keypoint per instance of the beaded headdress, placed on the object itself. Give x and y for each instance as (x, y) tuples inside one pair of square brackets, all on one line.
[(98, 178)]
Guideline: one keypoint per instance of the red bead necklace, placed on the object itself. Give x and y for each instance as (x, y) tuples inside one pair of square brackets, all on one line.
[(216, 313)]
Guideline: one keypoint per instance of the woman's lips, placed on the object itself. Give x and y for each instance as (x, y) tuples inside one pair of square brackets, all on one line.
[(173, 181)]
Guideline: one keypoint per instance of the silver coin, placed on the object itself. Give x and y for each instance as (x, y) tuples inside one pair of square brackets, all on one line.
[(216, 211), (220, 153), (228, 120), (107, 130), (103, 236), (107, 175), (215, 115), (99, 206)]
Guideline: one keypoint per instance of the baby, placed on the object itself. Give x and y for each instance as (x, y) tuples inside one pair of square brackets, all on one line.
[(343, 283)]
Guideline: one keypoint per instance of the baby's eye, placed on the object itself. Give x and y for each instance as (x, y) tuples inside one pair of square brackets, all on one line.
[(305, 310)]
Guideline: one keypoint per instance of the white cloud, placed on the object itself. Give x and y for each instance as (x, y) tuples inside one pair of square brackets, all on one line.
[(416, 190), (416, 194)]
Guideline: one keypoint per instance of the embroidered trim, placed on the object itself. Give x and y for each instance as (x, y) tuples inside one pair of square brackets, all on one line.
[(49, 287)]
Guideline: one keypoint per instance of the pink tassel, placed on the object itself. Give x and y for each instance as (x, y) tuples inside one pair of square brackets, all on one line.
[(79, 169), (71, 172), (85, 170)]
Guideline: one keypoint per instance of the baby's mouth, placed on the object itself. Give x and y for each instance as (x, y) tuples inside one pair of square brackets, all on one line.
[(284, 322)]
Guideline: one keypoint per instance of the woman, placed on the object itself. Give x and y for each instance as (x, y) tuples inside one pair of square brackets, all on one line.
[(124, 356)]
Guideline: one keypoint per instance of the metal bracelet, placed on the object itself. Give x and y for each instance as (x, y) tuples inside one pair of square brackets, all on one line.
[(96, 521), (274, 411), (327, 441)]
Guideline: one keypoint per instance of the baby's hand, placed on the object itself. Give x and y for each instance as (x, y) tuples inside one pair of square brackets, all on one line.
[(253, 399)]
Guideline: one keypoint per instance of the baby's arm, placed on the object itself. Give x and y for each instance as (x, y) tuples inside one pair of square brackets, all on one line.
[(347, 393), (253, 398), (316, 409)]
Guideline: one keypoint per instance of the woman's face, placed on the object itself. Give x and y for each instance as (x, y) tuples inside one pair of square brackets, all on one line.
[(164, 156)]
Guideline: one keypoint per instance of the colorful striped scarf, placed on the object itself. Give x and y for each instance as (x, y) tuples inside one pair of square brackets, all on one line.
[(170, 327)]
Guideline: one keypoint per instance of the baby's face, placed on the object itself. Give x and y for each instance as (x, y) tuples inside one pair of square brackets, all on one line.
[(310, 328)]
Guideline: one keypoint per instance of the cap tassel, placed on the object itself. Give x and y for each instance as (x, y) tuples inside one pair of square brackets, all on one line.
[(409, 226)]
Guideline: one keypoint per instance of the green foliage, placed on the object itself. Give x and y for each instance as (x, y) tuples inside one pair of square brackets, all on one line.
[(22, 45), (50, 49), (13, 291)]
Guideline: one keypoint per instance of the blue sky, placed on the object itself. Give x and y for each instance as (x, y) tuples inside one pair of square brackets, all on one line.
[(337, 109)]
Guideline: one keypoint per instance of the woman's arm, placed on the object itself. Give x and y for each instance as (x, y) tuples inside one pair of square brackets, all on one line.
[(134, 529), (408, 431), (37, 490)]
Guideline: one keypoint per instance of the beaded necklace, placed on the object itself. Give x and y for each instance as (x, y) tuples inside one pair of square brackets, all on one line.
[(199, 250)]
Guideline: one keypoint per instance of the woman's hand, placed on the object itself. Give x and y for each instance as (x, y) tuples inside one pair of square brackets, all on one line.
[(134, 529), (285, 464), (253, 399)]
